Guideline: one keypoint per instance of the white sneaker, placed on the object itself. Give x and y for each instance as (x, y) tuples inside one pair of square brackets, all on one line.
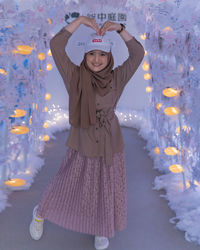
[(101, 242), (36, 226)]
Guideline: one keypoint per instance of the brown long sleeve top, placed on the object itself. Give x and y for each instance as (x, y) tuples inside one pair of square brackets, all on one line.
[(105, 137)]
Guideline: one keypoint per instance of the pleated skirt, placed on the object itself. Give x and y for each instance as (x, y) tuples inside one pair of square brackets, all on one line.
[(86, 195)]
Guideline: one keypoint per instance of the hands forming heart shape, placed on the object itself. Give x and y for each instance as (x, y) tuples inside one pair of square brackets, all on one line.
[(107, 26)]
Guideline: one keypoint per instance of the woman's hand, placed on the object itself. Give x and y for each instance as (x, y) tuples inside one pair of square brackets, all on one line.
[(109, 26), (90, 22)]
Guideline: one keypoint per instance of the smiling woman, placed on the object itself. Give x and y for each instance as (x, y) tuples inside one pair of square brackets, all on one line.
[(88, 194)]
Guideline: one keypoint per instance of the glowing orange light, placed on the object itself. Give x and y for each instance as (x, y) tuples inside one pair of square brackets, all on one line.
[(30, 121), (49, 20), (19, 130), (23, 49), (46, 138), (149, 89), (147, 76), (3, 72), (16, 182), (171, 151), (172, 111), (46, 125), (45, 109), (47, 96), (49, 66), (157, 150), (167, 29), (49, 53), (170, 92), (41, 56), (176, 168), (184, 127), (143, 36), (19, 113), (158, 106), (145, 66), (191, 68)]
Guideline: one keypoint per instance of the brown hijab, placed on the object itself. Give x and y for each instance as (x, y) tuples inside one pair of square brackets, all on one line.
[(83, 88)]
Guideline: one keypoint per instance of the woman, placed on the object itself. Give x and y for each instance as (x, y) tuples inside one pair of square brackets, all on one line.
[(88, 194)]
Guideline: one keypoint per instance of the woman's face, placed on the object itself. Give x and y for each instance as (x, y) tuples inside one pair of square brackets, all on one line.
[(97, 60)]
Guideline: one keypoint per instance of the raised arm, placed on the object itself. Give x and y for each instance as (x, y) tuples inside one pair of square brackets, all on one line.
[(124, 72), (58, 43)]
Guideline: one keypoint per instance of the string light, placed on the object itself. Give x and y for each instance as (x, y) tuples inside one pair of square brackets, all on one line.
[(149, 89), (157, 150), (47, 96), (41, 56), (145, 66), (158, 106), (143, 36), (147, 76), (49, 66)]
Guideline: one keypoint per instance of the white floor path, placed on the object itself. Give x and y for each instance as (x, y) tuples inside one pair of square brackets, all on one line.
[(148, 214)]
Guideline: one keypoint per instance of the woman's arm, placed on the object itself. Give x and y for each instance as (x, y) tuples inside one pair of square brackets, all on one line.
[(111, 26), (124, 72)]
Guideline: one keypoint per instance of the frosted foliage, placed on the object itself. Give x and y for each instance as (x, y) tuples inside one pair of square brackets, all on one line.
[(172, 29)]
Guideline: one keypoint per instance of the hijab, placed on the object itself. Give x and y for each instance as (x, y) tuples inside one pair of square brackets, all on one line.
[(83, 88)]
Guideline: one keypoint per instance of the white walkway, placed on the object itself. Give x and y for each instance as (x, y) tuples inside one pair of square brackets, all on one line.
[(148, 214)]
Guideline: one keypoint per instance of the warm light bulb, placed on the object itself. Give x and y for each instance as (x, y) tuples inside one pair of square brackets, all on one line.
[(24, 49), (19, 113), (184, 127), (149, 89), (191, 68), (49, 20), (171, 151), (45, 109), (49, 53), (145, 66), (145, 53), (147, 76), (16, 182), (46, 125), (143, 36), (157, 150), (167, 29), (3, 72), (170, 92), (176, 168), (46, 138), (19, 130), (47, 96), (49, 66), (30, 121), (172, 111), (41, 56), (158, 106)]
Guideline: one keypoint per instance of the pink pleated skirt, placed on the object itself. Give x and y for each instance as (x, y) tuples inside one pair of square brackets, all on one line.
[(86, 195)]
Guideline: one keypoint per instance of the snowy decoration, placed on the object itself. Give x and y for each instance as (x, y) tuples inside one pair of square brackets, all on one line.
[(170, 29)]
